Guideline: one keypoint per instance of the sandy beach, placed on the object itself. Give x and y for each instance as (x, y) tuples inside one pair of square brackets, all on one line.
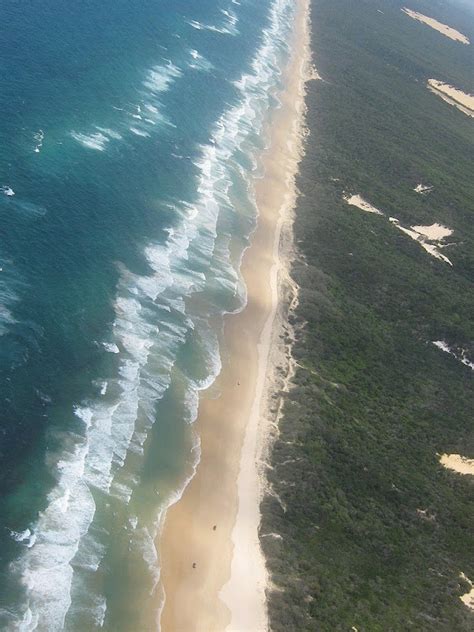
[(213, 572)]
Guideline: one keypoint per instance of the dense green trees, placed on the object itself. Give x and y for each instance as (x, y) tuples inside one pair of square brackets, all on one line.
[(374, 531)]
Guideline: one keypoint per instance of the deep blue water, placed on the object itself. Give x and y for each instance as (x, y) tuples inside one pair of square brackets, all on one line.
[(128, 139)]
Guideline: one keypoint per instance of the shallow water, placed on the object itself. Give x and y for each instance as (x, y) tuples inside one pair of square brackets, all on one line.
[(128, 144)]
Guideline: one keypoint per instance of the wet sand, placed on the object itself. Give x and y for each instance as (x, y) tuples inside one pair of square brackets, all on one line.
[(215, 578)]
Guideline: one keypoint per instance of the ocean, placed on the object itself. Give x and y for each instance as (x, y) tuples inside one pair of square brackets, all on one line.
[(129, 144)]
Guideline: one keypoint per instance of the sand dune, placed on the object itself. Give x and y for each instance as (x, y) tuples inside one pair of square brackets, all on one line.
[(359, 202), (457, 463), (426, 234), (468, 598), (453, 96), (438, 26)]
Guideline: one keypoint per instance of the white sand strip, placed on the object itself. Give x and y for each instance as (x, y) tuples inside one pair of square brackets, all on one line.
[(422, 238), (438, 26), (244, 593), (359, 202), (423, 189), (444, 347), (461, 100)]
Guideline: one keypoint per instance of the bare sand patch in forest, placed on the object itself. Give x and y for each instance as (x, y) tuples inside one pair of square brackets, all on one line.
[(461, 100), (468, 598), (359, 202), (429, 237), (457, 463), (438, 26)]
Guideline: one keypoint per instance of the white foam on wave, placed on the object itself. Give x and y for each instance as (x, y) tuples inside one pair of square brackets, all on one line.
[(109, 132), (8, 191), (45, 568), (6, 318), (26, 537), (111, 347), (38, 138), (139, 132), (151, 325), (8, 296), (159, 78), (199, 62), (227, 27), (97, 140)]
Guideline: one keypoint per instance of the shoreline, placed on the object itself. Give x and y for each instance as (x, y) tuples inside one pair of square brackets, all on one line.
[(213, 571)]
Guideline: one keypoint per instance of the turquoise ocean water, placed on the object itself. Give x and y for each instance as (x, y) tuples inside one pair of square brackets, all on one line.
[(128, 143)]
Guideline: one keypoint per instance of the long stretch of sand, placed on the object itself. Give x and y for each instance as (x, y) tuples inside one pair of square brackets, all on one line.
[(215, 524)]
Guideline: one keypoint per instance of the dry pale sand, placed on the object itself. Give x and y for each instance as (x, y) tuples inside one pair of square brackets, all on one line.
[(421, 234), (435, 232), (468, 598), (438, 26), (461, 465), (461, 100), (423, 189), (424, 235), (226, 589), (457, 463), (359, 202), (429, 237), (462, 357)]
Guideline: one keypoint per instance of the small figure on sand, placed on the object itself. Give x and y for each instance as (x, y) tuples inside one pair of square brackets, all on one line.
[(194, 564), (214, 527)]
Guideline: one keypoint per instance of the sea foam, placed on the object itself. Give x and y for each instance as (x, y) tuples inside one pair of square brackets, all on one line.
[(152, 323)]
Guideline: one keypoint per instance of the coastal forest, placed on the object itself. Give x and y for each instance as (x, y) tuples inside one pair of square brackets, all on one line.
[(369, 532)]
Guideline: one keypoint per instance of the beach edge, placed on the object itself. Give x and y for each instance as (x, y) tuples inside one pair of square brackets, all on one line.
[(213, 568)]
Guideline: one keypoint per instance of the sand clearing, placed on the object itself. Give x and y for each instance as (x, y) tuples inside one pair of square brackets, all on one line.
[(359, 202), (429, 237), (314, 74), (423, 189), (467, 598), (461, 465), (438, 26), (463, 358), (425, 234), (461, 100), (435, 232), (457, 463)]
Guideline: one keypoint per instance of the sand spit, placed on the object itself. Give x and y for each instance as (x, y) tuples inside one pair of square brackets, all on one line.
[(468, 598), (359, 202), (457, 463), (461, 100), (438, 26), (443, 346), (423, 189), (423, 235)]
